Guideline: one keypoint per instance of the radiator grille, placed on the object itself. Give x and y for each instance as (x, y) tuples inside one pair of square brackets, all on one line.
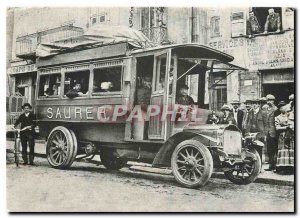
[(232, 142)]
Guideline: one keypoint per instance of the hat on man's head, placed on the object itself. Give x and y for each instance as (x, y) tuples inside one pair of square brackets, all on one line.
[(248, 101), (235, 102), (26, 105), (184, 86), (291, 97), (255, 100), (263, 99), (225, 107), (270, 97), (281, 103)]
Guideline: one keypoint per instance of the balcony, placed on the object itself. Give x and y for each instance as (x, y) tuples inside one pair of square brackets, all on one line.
[(158, 35), (26, 45)]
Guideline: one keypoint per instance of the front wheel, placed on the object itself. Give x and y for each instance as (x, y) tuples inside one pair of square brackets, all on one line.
[(192, 163), (61, 147), (247, 171)]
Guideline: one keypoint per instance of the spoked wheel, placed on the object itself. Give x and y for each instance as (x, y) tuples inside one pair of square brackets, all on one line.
[(61, 147), (246, 172), (110, 160), (191, 163)]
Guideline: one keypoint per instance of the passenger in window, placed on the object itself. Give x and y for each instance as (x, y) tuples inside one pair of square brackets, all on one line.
[(273, 22), (48, 92), (106, 86), (183, 98), (75, 92), (253, 26)]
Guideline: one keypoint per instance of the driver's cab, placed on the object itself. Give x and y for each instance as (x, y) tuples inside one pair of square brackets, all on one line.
[(173, 79)]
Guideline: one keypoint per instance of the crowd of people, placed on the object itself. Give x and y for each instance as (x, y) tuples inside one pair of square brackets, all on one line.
[(273, 124)]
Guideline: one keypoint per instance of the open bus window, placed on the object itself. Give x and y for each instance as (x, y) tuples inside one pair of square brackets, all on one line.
[(160, 73), (50, 85), (107, 80), (78, 81)]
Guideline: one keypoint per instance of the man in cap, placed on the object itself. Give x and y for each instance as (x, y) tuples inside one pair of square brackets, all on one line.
[(271, 132), (228, 116), (273, 22), (183, 98), (247, 118), (28, 123), (237, 113)]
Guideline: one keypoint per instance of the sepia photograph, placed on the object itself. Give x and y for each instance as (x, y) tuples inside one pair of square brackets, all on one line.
[(150, 109)]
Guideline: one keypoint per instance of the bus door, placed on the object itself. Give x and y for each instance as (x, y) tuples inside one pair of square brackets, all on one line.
[(159, 95)]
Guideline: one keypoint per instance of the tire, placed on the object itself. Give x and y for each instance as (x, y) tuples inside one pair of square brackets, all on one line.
[(110, 161), (251, 169), (61, 147), (192, 164)]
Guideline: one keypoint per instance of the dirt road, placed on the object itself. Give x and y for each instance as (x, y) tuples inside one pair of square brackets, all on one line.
[(90, 188)]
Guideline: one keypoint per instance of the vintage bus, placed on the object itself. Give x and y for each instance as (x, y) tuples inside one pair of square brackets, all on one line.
[(106, 117)]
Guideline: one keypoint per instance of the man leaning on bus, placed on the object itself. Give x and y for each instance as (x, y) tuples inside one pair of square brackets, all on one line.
[(28, 123)]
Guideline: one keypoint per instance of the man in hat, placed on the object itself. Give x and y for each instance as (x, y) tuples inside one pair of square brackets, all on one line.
[(237, 113), (228, 116), (28, 122), (247, 118), (183, 98), (291, 103), (273, 22), (271, 132)]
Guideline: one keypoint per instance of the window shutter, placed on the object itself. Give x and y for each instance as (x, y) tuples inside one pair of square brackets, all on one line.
[(238, 24)]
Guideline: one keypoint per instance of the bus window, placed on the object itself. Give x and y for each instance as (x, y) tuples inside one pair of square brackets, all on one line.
[(160, 73), (77, 80), (50, 85), (107, 80)]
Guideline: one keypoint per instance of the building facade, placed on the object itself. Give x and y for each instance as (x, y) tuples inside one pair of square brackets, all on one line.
[(269, 58)]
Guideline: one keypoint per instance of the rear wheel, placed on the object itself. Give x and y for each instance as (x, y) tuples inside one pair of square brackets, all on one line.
[(61, 147), (246, 172), (192, 163), (110, 160)]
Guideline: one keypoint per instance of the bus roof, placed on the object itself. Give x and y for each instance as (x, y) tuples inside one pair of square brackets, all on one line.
[(191, 50)]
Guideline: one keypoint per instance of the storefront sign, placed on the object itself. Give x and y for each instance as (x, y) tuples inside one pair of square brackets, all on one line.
[(261, 52), (271, 52), (22, 69)]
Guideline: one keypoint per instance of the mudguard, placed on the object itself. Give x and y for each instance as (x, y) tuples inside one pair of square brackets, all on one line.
[(163, 157)]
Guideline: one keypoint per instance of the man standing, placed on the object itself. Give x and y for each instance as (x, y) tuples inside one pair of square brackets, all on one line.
[(259, 123), (271, 132), (237, 113), (140, 127), (273, 22), (28, 123), (247, 118)]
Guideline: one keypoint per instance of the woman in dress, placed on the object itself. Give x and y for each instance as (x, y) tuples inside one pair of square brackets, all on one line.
[(284, 123)]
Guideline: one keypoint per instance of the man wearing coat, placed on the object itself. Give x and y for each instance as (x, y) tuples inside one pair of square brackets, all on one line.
[(237, 113), (259, 123), (247, 118), (28, 122), (272, 145), (273, 22)]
